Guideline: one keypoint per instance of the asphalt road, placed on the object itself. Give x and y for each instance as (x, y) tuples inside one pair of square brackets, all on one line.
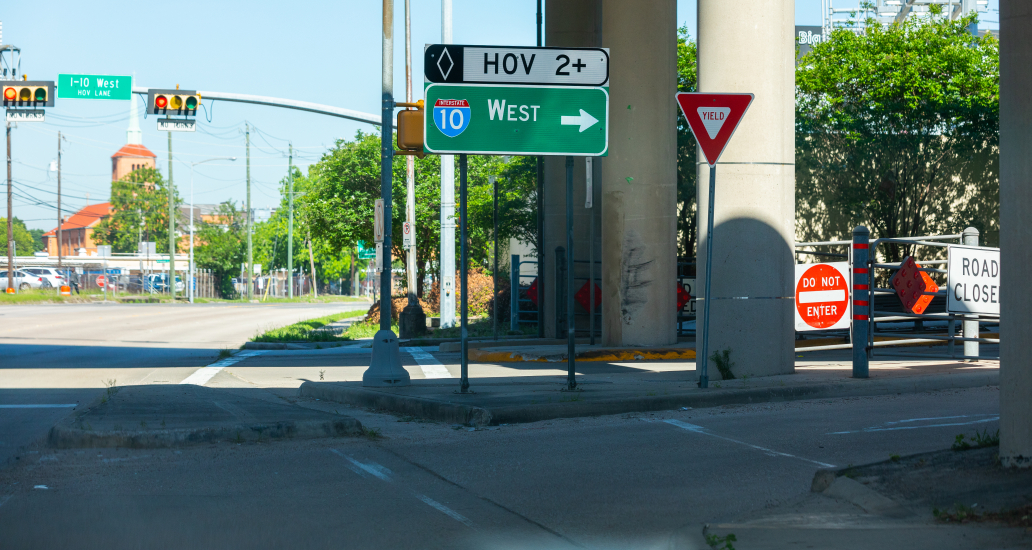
[(627, 481), (54, 357)]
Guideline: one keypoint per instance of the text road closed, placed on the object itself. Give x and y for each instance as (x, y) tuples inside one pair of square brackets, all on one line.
[(974, 280)]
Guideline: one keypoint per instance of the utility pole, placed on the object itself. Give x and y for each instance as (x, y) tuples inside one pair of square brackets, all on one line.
[(250, 264), (10, 222), (540, 219), (59, 240), (412, 321), (447, 281), (385, 368), (171, 226), (290, 222)]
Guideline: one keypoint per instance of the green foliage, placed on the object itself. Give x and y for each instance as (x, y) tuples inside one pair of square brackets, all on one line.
[(977, 441), (687, 170), (222, 246), (139, 208), (721, 543), (342, 188), (897, 129), (724, 364), (24, 244)]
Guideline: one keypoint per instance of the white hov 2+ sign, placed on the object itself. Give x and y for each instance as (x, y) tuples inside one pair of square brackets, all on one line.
[(822, 296), (974, 280)]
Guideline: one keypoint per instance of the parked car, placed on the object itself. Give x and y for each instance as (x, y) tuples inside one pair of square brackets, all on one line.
[(22, 280), (159, 283), (51, 275)]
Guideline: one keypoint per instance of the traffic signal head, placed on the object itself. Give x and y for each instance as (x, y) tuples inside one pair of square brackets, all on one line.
[(172, 102), (30, 93), (410, 129)]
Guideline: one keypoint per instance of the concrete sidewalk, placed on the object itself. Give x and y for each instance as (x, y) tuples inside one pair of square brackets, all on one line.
[(506, 400), (171, 415)]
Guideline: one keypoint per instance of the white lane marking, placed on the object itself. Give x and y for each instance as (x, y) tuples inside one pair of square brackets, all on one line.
[(41, 406), (4, 499), (447, 511), (701, 430), (43, 487), (432, 368), (383, 473), (894, 428), (202, 375)]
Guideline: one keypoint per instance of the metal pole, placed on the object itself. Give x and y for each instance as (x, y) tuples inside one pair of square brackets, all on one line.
[(494, 315), (171, 227), (190, 278), (59, 240), (591, 247), (702, 359), (290, 222), (10, 215), (571, 325), (410, 169), (464, 383), (970, 327), (540, 214), (386, 163), (250, 258), (861, 301), (514, 293), (447, 280)]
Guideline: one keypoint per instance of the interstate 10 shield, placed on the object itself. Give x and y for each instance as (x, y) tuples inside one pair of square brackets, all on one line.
[(451, 116)]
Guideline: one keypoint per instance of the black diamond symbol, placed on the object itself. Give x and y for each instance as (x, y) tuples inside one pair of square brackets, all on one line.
[(449, 64)]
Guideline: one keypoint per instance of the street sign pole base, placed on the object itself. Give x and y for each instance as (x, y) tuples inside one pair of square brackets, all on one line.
[(385, 370)]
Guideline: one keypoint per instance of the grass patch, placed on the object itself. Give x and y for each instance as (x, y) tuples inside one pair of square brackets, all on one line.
[(364, 329), (311, 330), (1017, 517), (328, 299), (724, 364), (47, 297)]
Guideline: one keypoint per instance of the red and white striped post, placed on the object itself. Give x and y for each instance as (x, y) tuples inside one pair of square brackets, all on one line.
[(861, 300)]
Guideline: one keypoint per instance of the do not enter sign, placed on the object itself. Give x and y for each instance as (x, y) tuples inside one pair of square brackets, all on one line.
[(822, 296)]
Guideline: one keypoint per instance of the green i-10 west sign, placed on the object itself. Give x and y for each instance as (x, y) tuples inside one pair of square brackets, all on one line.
[(496, 119)]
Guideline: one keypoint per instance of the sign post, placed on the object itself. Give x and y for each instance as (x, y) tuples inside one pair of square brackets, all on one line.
[(713, 119), (498, 100)]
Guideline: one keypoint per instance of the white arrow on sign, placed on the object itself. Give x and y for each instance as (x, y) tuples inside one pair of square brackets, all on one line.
[(584, 120)]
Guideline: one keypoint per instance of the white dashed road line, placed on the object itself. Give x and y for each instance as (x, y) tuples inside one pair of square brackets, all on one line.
[(41, 406), (432, 368), (700, 430), (889, 427), (384, 474), (202, 375)]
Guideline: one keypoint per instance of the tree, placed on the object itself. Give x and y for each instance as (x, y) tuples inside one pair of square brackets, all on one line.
[(687, 151), (343, 185), (222, 246), (23, 241), (139, 211), (897, 129)]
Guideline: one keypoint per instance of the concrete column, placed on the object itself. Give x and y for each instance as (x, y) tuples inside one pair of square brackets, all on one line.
[(1015, 233), (568, 23), (639, 177), (755, 191)]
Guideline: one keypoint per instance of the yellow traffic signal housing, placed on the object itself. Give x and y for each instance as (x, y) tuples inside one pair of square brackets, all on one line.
[(172, 102), (410, 129), (29, 93)]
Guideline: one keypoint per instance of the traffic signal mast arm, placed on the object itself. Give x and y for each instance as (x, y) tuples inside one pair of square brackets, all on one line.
[(284, 103)]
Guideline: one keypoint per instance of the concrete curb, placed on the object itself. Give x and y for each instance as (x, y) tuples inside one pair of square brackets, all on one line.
[(68, 437), (297, 345), (453, 413), (457, 413), (598, 355)]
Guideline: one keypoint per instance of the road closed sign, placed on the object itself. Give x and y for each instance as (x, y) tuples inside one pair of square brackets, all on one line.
[(974, 280), (822, 296)]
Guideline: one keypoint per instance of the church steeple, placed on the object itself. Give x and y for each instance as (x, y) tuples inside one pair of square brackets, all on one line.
[(134, 136)]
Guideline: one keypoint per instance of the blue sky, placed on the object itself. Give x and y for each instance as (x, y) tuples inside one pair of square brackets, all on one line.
[(328, 52)]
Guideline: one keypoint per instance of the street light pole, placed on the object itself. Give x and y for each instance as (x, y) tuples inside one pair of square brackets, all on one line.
[(190, 282)]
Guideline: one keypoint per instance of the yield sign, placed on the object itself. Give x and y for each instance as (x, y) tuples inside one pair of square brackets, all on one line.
[(713, 119)]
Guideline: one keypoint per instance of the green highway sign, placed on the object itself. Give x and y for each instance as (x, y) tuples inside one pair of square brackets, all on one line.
[(94, 86), (516, 120)]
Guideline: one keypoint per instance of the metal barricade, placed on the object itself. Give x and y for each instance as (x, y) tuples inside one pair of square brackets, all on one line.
[(686, 314), (520, 304)]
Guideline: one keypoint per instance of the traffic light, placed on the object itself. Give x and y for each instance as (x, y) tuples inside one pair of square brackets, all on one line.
[(29, 93), (172, 102), (410, 129)]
